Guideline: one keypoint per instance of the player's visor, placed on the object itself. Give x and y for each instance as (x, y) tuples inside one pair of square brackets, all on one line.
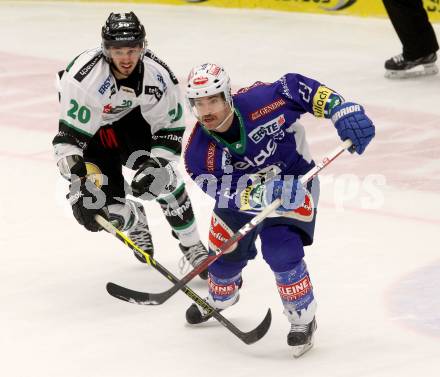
[(209, 105)]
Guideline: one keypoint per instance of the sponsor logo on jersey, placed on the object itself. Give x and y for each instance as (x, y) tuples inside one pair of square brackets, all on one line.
[(295, 290), (128, 90), (109, 109), (66, 136), (254, 85), (167, 137), (162, 81), (176, 114), (305, 212), (219, 233), (112, 90), (227, 162), (286, 90), (252, 197), (149, 54), (270, 108), (105, 85), (320, 100), (273, 127), (153, 91), (210, 157), (85, 70), (177, 211), (259, 159)]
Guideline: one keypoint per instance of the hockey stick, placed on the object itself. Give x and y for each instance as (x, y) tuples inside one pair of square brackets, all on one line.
[(247, 337), (159, 298)]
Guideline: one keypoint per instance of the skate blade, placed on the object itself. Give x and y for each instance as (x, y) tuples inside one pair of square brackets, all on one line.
[(421, 70), (298, 351)]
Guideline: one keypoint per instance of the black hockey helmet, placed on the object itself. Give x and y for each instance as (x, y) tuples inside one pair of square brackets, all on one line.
[(122, 30)]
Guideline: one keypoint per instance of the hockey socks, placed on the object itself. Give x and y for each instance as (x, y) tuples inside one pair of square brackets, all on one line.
[(178, 211), (296, 293), (223, 292)]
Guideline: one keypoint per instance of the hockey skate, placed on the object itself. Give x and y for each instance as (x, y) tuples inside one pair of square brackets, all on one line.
[(300, 338), (398, 67), (195, 314), (141, 236), (195, 255)]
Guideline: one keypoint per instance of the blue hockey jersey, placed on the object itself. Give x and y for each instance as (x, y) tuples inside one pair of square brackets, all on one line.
[(270, 142)]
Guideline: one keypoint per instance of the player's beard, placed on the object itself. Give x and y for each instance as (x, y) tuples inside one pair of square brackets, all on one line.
[(125, 72)]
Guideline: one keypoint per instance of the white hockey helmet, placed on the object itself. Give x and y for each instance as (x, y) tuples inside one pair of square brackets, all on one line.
[(209, 79)]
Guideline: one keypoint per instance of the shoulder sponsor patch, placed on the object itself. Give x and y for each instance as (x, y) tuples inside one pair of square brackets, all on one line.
[(321, 100), (153, 91), (87, 68), (149, 54), (267, 109)]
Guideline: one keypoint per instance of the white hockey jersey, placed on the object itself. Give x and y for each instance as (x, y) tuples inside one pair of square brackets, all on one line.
[(90, 98)]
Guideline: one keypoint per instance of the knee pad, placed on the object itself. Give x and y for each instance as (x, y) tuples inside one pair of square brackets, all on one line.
[(126, 216), (282, 247), (223, 292)]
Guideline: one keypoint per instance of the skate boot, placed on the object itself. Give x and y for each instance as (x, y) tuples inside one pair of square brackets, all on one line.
[(195, 255), (195, 314), (223, 293), (398, 67), (300, 337), (141, 236)]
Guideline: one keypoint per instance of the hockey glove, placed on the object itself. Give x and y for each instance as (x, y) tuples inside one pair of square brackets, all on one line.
[(352, 123), (84, 205), (155, 177), (291, 192)]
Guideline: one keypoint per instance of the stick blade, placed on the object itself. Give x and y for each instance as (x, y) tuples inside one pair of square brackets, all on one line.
[(256, 334), (132, 296)]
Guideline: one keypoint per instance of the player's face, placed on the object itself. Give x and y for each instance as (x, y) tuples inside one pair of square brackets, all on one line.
[(125, 60), (211, 111)]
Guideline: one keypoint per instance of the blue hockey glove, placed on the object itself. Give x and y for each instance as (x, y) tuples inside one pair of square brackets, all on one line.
[(352, 123)]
